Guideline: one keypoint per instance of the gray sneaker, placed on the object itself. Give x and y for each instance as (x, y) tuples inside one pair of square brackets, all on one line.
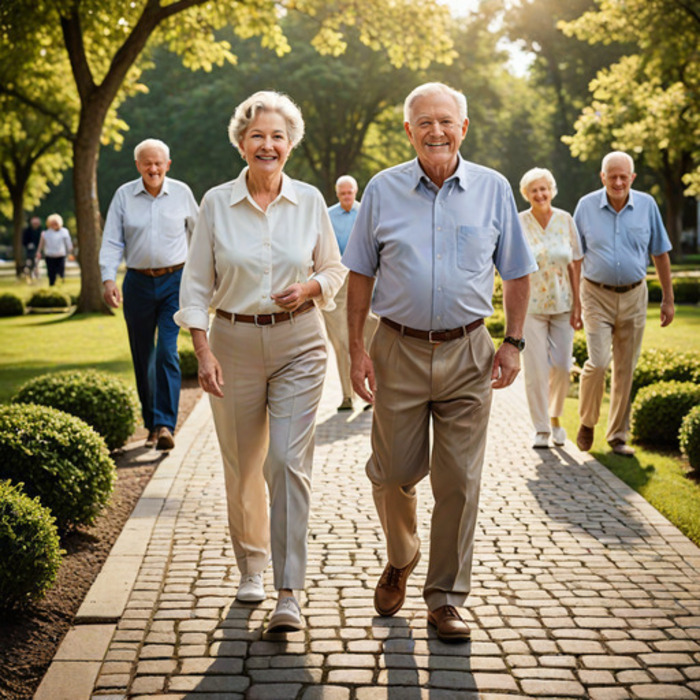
[(287, 616)]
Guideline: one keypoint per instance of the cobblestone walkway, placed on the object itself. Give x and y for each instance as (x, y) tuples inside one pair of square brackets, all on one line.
[(581, 589)]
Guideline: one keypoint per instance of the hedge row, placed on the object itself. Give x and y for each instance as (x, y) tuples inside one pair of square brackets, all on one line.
[(686, 290)]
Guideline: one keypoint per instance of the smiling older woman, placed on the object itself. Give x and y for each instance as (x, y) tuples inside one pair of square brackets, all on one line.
[(264, 255)]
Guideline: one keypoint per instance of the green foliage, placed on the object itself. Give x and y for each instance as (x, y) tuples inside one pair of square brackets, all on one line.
[(49, 298), (686, 290), (189, 367), (656, 365), (658, 411), (689, 437), (29, 548), (11, 305), (102, 400), (496, 323), (60, 459), (580, 351)]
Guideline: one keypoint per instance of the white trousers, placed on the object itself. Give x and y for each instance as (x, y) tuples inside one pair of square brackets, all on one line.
[(549, 343), (265, 423)]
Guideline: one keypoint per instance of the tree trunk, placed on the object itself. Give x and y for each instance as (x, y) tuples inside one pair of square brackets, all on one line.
[(674, 216), (17, 197)]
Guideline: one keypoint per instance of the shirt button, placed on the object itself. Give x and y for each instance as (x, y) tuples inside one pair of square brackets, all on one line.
[(267, 271), (439, 257), (439, 289)]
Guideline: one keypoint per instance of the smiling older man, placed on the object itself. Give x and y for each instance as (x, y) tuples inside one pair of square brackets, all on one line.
[(431, 231), (148, 222)]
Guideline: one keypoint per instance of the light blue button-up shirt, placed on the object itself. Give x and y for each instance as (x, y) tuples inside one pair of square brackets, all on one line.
[(617, 245), (148, 231), (343, 221), (433, 250)]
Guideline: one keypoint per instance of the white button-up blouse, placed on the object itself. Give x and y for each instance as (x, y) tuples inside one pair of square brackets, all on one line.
[(240, 255)]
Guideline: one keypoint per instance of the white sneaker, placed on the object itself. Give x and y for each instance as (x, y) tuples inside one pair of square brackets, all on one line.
[(541, 441), (287, 616), (558, 435), (251, 589)]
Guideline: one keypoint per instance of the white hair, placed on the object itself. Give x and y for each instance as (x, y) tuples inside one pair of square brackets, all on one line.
[(537, 174), (435, 89), (266, 101), (57, 218), (616, 154), (152, 143), (346, 180)]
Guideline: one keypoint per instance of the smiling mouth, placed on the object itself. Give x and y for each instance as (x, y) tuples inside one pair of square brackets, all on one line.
[(437, 145)]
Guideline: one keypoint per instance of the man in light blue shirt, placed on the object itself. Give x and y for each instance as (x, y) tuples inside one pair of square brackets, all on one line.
[(148, 223), (431, 231), (619, 230)]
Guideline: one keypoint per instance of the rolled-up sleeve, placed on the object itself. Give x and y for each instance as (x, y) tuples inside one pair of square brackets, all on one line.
[(329, 272), (112, 248)]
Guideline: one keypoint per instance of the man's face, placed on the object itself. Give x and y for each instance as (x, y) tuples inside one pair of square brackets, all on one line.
[(152, 164), (617, 179), (346, 195), (35, 222), (435, 130)]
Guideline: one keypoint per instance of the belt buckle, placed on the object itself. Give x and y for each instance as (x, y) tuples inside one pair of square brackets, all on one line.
[(262, 325), (431, 340)]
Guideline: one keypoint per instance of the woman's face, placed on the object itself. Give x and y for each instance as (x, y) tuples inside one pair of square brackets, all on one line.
[(539, 195), (265, 145)]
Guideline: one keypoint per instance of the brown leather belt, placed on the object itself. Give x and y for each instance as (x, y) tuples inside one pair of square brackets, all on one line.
[(434, 336), (266, 319), (611, 288), (157, 271)]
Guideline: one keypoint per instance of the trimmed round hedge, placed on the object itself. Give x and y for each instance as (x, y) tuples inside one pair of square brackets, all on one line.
[(60, 459), (49, 299), (189, 367), (689, 437), (580, 349), (102, 400), (30, 551), (659, 409), (664, 366), (11, 305)]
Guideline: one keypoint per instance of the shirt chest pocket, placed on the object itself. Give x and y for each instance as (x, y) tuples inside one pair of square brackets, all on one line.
[(475, 247)]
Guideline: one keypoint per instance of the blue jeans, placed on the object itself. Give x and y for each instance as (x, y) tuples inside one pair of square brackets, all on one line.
[(149, 305)]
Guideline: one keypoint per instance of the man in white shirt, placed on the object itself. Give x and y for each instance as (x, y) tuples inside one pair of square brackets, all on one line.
[(149, 222)]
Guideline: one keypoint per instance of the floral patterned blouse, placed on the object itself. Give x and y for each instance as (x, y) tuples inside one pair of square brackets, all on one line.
[(554, 247)]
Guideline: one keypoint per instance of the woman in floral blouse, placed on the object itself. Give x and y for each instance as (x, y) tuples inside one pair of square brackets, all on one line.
[(554, 311)]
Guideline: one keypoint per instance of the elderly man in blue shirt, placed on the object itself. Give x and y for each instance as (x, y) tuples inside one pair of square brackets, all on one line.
[(149, 222), (619, 230), (431, 231)]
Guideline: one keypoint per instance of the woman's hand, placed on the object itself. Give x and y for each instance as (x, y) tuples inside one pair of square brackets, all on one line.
[(575, 318), (210, 376), (296, 294)]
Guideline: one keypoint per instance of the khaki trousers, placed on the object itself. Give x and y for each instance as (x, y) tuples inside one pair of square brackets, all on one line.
[(273, 379), (337, 329), (549, 340), (448, 384), (614, 325)]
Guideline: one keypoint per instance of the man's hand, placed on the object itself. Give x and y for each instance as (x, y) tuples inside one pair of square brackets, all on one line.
[(506, 366), (111, 294), (667, 312), (362, 376)]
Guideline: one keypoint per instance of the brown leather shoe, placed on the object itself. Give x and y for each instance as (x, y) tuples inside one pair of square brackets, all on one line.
[(390, 592), (584, 439), (449, 625), (620, 448), (151, 439), (165, 439)]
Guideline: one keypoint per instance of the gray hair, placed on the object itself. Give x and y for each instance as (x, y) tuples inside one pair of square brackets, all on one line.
[(57, 218), (152, 143), (616, 154), (537, 174), (346, 180), (435, 89), (266, 101)]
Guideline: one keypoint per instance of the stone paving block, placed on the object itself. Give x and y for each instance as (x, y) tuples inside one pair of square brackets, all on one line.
[(608, 693), (663, 692), (350, 676), (205, 684), (596, 677), (148, 684), (68, 679), (160, 667), (544, 688), (275, 691), (85, 643)]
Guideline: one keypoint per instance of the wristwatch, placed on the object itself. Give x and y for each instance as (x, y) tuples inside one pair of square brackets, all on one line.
[(518, 342)]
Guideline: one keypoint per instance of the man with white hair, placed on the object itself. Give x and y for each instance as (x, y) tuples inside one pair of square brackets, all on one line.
[(148, 223), (431, 230), (619, 230)]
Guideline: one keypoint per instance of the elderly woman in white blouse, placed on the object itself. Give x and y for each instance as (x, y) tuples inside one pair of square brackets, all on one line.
[(264, 257), (554, 310)]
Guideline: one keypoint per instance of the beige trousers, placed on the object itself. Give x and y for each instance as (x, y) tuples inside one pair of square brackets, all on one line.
[(549, 340), (337, 329), (273, 379), (614, 325), (448, 384)]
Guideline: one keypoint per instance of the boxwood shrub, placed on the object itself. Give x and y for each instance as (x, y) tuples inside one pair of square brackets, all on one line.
[(580, 351), (11, 305), (49, 299), (663, 366), (689, 437), (60, 459), (659, 409), (102, 400), (29, 548), (686, 289), (496, 323), (189, 367)]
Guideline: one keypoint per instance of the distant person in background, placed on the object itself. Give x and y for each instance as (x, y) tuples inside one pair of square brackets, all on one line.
[(31, 236), (343, 215), (554, 309), (56, 244), (148, 223)]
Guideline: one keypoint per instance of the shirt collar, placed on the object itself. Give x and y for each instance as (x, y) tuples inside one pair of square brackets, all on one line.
[(141, 187), (239, 189), (604, 203), (461, 175)]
